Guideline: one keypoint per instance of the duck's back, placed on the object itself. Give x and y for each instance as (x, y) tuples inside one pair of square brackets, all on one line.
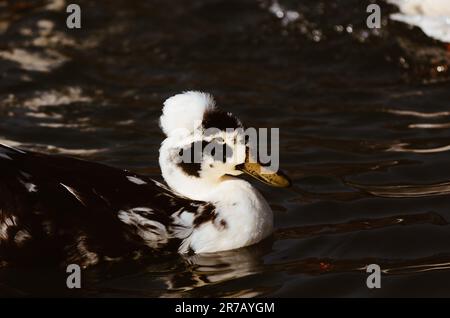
[(55, 208)]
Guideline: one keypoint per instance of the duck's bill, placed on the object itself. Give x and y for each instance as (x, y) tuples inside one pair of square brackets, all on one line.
[(275, 179)]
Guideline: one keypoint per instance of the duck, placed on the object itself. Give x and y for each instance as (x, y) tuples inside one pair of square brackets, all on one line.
[(432, 16), (63, 210)]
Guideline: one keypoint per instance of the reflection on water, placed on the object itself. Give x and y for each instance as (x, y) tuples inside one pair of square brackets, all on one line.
[(405, 147), (359, 225), (209, 270), (418, 114), (365, 135)]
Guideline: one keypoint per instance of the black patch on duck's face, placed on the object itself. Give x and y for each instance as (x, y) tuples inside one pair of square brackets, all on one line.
[(219, 119), (192, 154)]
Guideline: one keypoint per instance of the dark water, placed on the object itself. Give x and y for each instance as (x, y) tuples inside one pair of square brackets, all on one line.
[(365, 134)]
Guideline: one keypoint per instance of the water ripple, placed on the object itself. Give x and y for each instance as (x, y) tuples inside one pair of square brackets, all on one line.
[(404, 147), (417, 113), (359, 225)]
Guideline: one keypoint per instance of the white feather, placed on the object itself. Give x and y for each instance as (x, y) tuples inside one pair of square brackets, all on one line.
[(183, 113), (5, 224), (136, 180), (154, 238), (247, 217)]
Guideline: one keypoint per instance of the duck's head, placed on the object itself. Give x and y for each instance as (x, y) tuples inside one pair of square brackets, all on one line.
[(205, 146)]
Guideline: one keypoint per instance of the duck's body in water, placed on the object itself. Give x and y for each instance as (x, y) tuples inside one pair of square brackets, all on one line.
[(56, 209)]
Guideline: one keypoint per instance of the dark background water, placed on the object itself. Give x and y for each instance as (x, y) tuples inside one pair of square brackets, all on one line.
[(365, 134)]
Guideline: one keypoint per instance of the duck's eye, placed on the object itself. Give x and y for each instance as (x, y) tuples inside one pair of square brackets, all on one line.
[(220, 140)]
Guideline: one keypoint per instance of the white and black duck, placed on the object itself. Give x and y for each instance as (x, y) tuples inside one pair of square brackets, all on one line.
[(56, 209)]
